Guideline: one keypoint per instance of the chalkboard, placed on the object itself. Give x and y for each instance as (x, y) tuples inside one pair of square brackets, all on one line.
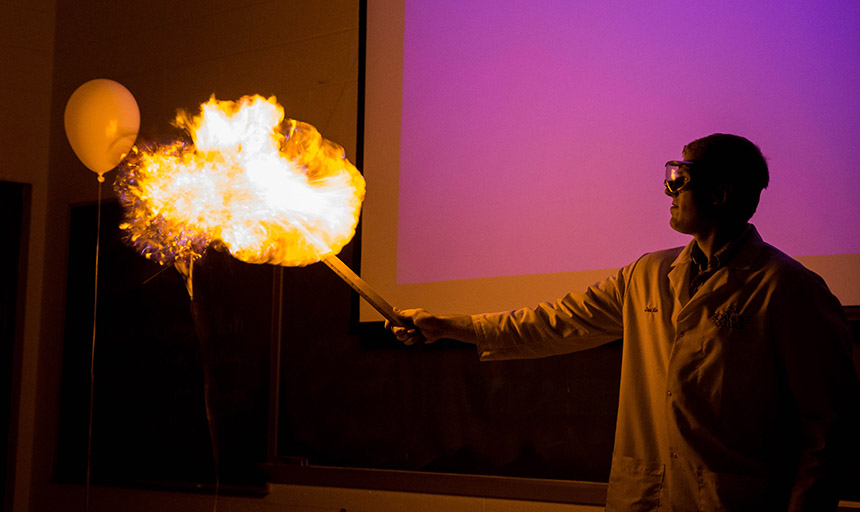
[(352, 396)]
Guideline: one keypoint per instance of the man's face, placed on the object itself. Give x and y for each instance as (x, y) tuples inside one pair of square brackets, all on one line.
[(689, 213)]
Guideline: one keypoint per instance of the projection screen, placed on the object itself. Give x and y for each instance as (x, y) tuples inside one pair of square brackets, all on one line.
[(514, 151)]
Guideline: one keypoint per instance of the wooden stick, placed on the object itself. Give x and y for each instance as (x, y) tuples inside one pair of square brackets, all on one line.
[(360, 285)]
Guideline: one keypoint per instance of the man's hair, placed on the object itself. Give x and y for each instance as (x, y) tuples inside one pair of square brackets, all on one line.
[(735, 161)]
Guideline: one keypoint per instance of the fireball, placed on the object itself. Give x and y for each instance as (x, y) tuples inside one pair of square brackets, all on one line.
[(265, 188)]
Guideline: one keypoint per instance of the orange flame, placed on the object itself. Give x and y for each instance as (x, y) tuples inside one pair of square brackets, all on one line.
[(269, 190)]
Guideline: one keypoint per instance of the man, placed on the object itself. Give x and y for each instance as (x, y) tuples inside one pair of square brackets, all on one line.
[(736, 381)]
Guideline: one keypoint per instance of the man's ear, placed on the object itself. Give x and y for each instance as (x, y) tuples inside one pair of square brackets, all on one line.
[(720, 195)]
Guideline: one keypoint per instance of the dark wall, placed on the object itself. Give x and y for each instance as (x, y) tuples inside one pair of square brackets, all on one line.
[(349, 394)]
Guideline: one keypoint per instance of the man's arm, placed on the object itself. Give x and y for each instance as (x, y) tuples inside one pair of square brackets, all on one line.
[(813, 340), (577, 321)]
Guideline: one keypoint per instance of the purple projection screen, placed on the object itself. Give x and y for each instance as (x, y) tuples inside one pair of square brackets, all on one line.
[(514, 150)]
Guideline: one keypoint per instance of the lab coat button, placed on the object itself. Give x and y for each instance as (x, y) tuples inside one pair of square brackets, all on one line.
[(668, 393)]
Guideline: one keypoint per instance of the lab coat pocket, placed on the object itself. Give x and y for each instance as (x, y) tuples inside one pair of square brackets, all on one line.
[(634, 485), (724, 492)]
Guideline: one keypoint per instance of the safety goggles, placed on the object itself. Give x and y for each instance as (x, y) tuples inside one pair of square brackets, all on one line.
[(675, 181)]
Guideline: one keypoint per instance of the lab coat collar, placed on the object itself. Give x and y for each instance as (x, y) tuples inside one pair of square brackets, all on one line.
[(679, 276), (751, 244)]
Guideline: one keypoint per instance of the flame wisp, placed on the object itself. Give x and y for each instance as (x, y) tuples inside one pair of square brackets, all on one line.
[(269, 190)]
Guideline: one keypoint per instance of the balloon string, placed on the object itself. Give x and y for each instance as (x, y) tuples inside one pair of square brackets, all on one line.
[(93, 349)]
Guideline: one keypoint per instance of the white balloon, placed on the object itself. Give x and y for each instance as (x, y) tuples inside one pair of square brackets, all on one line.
[(102, 120)]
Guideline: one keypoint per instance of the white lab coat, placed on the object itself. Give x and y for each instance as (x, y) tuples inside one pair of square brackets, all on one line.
[(730, 399)]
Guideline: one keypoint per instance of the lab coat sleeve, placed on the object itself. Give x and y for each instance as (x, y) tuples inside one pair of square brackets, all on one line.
[(575, 322), (813, 340)]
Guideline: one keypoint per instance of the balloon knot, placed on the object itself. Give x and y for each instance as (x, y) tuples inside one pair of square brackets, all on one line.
[(101, 178)]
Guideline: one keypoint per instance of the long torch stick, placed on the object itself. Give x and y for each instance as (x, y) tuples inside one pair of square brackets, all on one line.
[(352, 279), (360, 285)]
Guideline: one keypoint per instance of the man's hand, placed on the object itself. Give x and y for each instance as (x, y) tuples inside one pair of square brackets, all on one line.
[(425, 327)]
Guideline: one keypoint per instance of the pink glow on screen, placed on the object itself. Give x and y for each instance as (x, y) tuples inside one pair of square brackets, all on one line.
[(534, 133)]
